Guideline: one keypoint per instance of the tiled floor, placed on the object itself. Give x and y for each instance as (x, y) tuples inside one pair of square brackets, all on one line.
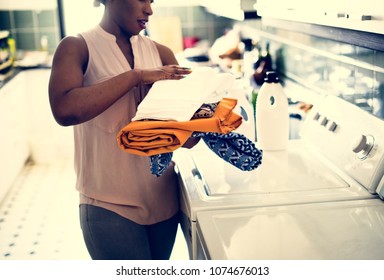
[(39, 216)]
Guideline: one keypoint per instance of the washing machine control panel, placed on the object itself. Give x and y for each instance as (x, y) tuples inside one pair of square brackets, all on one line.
[(349, 138), (363, 145)]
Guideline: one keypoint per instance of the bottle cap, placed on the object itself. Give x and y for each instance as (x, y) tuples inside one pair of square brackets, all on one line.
[(271, 77)]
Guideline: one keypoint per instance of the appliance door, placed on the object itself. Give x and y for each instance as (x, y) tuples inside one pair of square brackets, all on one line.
[(327, 231), (287, 177)]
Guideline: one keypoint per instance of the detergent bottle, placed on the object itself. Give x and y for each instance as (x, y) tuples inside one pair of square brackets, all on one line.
[(272, 117)]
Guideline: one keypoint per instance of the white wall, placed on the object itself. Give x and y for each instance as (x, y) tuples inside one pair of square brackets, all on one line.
[(174, 3), (80, 15)]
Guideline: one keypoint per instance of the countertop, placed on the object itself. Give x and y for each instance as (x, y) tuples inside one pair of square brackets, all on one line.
[(27, 60), (5, 78)]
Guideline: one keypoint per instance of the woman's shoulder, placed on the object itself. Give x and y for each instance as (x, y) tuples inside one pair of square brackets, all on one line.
[(74, 48), (166, 54), (73, 42)]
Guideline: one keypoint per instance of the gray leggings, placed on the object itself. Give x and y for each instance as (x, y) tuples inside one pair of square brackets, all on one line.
[(109, 236)]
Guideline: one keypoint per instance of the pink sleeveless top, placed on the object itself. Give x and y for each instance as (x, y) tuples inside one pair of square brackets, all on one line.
[(107, 176)]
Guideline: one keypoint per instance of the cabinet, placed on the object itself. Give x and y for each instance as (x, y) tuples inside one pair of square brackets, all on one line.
[(28, 128), (234, 9), (367, 15), (48, 141), (14, 148)]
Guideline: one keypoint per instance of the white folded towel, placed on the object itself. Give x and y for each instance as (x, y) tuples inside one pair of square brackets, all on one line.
[(179, 100)]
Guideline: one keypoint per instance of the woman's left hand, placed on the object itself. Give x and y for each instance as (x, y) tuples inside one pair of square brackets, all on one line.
[(168, 72)]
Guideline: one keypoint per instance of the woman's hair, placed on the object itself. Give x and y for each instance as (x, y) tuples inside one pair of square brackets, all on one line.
[(96, 3)]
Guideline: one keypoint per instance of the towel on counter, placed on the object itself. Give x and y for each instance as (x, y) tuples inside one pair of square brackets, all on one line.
[(178, 100), (232, 147), (148, 138)]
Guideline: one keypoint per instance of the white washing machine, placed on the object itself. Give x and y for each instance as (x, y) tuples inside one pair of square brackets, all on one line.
[(344, 230), (340, 158)]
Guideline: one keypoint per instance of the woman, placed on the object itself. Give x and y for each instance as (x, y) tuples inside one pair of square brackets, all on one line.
[(98, 79)]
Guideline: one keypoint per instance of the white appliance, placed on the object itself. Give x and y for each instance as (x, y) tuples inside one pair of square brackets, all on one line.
[(338, 161), (341, 230)]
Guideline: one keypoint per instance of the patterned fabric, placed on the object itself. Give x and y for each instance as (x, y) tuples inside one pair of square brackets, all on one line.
[(232, 147), (159, 163), (207, 110)]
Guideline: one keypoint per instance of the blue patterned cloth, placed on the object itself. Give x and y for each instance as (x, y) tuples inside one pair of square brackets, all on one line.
[(159, 163), (232, 147)]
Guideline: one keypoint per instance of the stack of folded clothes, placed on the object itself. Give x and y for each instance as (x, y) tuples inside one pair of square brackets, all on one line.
[(178, 100), (174, 111)]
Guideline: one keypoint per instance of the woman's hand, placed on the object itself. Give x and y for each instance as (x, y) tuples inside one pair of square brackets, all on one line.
[(168, 72)]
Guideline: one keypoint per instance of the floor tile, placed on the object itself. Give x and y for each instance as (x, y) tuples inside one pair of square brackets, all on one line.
[(39, 216)]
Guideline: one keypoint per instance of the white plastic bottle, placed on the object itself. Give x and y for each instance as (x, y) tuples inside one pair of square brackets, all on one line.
[(272, 117)]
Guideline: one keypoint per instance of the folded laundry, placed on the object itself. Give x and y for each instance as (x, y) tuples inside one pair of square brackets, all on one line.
[(152, 137), (232, 147), (177, 100)]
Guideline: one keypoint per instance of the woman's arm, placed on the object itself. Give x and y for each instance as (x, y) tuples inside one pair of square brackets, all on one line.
[(73, 103)]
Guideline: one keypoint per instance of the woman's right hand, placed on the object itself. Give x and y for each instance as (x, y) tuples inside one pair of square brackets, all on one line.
[(168, 72)]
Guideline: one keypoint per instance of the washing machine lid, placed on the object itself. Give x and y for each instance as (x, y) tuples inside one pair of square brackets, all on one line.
[(293, 170), (332, 230)]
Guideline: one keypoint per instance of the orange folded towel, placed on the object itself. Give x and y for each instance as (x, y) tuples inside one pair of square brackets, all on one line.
[(147, 138)]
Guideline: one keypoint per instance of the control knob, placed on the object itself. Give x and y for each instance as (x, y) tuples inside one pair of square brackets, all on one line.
[(363, 146)]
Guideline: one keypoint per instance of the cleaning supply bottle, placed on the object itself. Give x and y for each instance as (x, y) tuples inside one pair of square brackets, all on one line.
[(262, 65), (12, 47), (272, 117)]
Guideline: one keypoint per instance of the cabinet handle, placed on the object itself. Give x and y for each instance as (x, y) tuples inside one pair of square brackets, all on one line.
[(354, 16), (358, 17)]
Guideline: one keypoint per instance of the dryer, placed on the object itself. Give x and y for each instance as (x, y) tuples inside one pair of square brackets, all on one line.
[(338, 158)]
